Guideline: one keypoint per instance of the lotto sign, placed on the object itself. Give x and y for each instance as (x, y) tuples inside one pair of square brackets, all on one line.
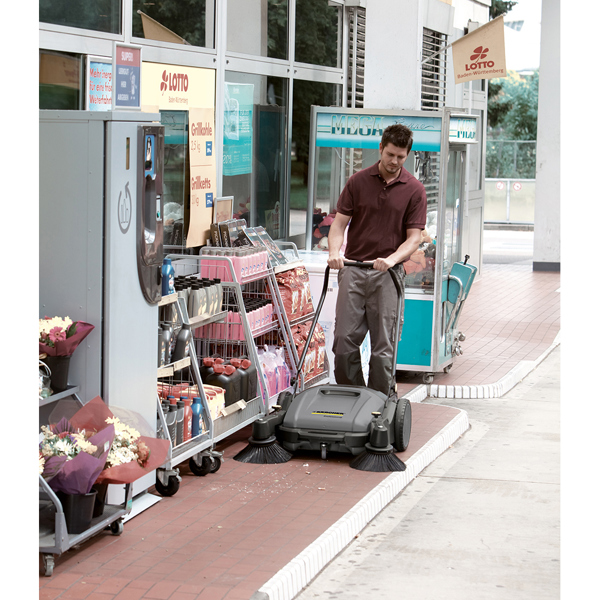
[(127, 64)]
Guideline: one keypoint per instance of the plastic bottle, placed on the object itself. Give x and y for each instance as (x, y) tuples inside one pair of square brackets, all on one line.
[(237, 363), (179, 430), (168, 277), (182, 346), (187, 418), (197, 417), (171, 418), (207, 368), (226, 377), (167, 335)]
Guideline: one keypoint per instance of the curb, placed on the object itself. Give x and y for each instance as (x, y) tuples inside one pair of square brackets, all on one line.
[(492, 390), (300, 571)]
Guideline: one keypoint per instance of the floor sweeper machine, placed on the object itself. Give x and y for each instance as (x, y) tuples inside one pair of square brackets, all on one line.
[(336, 418)]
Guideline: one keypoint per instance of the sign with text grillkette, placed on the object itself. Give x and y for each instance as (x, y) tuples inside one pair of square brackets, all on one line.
[(480, 54)]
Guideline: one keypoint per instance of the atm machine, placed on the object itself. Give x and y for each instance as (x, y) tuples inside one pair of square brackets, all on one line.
[(101, 251), (438, 280)]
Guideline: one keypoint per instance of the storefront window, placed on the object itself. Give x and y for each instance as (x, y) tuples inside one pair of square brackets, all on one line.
[(98, 15), (318, 33), (258, 27), (254, 149), (188, 22), (307, 93), (175, 177), (60, 81)]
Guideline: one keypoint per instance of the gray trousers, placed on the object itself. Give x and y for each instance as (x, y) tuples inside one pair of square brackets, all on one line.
[(367, 301)]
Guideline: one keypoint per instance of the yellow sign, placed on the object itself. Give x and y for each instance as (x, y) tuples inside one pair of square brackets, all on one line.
[(203, 174), (173, 87), (480, 54)]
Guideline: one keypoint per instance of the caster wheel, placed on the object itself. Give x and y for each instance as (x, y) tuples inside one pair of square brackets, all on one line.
[(216, 465), (402, 424), (48, 564), (203, 469), (170, 489), (428, 378), (447, 369), (116, 528)]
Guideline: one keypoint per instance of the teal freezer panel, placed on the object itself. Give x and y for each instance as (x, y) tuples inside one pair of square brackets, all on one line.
[(414, 347)]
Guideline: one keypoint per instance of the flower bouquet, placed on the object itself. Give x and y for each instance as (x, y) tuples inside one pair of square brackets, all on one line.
[(71, 459), (131, 455), (58, 339)]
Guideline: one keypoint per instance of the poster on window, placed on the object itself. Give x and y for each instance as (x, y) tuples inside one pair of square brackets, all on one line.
[(98, 83), (237, 129), (203, 174)]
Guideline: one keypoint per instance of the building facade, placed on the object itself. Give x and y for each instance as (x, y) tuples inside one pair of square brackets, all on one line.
[(249, 71)]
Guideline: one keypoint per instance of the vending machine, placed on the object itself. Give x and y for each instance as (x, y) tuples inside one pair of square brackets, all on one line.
[(101, 250)]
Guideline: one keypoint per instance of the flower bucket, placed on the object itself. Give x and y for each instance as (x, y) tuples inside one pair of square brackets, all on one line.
[(101, 489), (78, 509), (59, 372)]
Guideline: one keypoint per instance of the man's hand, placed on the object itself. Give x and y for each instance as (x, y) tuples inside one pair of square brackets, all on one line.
[(383, 264), (335, 262)]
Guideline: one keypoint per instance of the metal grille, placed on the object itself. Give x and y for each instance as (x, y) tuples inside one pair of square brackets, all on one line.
[(434, 71), (356, 58)]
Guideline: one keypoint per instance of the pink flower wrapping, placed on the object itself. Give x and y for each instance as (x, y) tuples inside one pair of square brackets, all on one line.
[(65, 346), (92, 416)]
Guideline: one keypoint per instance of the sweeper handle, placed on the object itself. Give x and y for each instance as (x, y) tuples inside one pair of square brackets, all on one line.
[(358, 263)]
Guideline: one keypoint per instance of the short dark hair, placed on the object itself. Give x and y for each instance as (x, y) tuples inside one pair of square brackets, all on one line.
[(399, 135)]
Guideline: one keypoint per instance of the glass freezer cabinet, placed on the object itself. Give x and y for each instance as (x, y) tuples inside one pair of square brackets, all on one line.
[(344, 141)]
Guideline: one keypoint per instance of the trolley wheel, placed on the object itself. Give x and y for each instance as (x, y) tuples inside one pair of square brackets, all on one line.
[(48, 564), (428, 378), (216, 464), (204, 468), (116, 527), (447, 369), (402, 424), (170, 489)]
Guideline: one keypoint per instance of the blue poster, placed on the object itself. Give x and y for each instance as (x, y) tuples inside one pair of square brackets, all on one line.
[(128, 62), (237, 129)]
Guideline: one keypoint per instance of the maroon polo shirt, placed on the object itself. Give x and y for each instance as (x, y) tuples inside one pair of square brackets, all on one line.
[(381, 212)]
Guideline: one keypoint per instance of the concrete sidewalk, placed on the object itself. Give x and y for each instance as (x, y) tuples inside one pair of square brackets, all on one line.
[(481, 522)]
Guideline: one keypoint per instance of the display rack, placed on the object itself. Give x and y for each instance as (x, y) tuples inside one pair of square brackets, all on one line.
[(227, 337), (54, 536), (184, 372)]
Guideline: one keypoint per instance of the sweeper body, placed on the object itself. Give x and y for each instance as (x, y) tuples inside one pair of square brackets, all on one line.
[(357, 420)]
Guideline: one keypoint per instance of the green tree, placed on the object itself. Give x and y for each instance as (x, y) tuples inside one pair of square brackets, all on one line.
[(500, 7), (512, 118)]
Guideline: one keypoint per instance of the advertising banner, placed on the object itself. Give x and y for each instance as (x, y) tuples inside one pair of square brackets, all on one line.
[(341, 130), (480, 54), (179, 88), (127, 65), (203, 174), (237, 129), (99, 83)]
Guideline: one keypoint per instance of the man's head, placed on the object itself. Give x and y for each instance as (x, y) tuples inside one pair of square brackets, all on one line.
[(399, 135), (395, 145)]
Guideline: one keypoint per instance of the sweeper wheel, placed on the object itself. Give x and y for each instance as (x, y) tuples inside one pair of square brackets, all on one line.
[(402, 424)]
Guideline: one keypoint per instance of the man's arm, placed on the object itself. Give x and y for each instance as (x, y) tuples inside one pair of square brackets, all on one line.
[(405, 249), (336, 239)]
